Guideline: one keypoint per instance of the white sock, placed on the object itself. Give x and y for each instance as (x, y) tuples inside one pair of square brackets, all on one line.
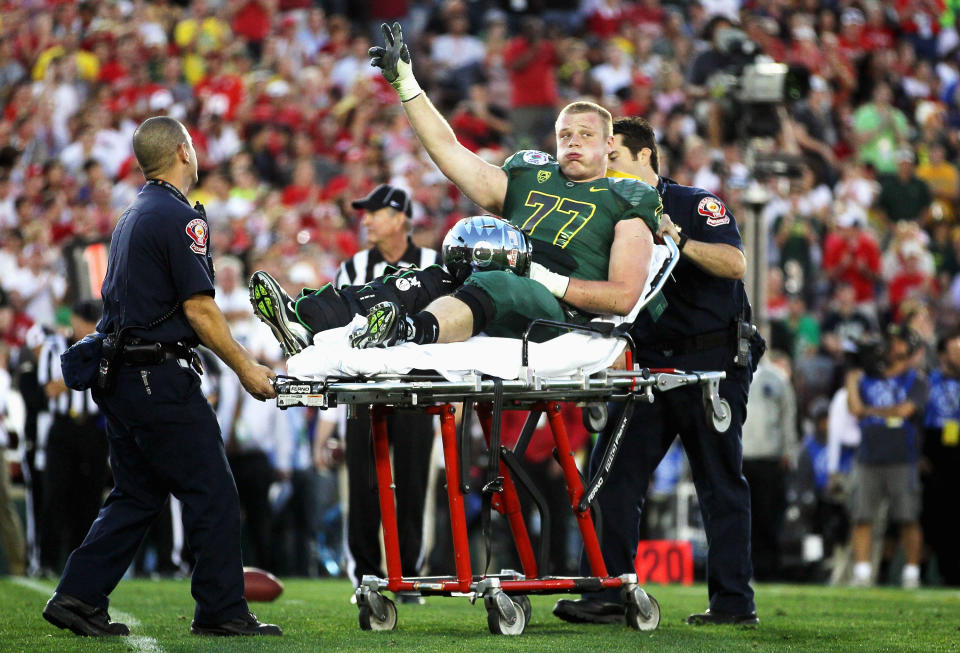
[(861, 571), (911, 572)]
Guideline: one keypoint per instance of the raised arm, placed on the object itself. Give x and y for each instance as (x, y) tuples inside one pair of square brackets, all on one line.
[(626, 276), (482, 182)]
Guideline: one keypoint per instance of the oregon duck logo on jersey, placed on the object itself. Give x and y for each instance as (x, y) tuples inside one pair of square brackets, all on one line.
[(543, 175)]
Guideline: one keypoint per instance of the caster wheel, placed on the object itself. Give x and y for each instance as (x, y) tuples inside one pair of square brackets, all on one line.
[(594, 417), (720, 423), (635, 619), (524, 602), (510, 624), (369, 619)]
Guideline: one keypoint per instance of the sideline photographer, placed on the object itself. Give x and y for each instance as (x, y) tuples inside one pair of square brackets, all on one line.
[(887, 394)]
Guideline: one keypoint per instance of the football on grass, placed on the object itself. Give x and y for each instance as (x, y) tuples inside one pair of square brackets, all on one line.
[(260, 585)]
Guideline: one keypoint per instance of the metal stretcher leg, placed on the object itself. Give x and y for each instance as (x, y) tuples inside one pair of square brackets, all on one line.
[(508, 503), (385, 489), (458, 519), (591, 545)]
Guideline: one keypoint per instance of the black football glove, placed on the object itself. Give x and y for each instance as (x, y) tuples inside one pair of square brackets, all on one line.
[(394, 62)]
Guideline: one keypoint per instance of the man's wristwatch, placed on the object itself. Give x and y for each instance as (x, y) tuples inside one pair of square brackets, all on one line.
[(683, 241)]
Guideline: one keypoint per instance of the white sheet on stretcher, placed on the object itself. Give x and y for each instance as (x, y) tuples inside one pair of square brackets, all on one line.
[(566, 355)]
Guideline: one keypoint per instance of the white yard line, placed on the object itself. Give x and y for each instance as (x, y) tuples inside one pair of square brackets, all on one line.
[(31, 584), (139, 643), (125, 618)]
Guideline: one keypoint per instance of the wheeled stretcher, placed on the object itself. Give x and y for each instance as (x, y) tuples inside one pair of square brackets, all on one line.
[(537, 386)]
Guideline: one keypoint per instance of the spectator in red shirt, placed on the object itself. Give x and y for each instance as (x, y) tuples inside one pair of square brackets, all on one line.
[(876, 34), (604, 17), (303, 189), (252, 20), (851, 254), (912, 278), (532, 62), (480, 125), (14, 322), (221, 90), (852, 40), (805, 50)]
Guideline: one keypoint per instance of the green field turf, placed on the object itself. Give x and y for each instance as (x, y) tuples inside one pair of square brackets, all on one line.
[(316, 616)]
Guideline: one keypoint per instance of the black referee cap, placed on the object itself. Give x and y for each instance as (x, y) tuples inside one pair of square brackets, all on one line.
[(385, 195)]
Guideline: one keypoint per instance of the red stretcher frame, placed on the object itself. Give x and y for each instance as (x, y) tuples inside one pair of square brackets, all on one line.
[(507, 503), (504, 594)]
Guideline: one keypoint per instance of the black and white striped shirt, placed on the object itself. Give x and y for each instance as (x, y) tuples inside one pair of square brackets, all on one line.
[(368, 264), (71, 403)]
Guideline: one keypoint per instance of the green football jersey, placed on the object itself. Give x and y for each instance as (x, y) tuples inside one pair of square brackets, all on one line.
[(578, 217)]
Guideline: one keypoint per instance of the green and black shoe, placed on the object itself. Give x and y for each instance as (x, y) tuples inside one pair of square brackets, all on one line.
[(274, 307), (386, 326)]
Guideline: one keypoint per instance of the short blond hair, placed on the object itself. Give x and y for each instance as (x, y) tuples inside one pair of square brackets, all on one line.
[(585, 106)]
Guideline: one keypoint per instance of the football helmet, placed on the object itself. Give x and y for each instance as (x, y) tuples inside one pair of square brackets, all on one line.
[(483, 242)]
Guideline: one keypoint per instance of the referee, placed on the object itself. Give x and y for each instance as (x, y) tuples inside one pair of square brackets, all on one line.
[(387, 219), (163, 435), (76, 451)]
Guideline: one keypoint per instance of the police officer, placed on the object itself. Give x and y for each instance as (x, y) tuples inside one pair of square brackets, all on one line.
[(697, 331), (163, 435)]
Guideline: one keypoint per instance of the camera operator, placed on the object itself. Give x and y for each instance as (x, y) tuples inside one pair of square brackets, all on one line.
[(887, 394), (725, 56)]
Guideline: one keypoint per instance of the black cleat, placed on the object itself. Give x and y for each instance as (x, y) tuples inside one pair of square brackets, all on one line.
[(65, 611), (275, 308), (248, 624), (723, 618), (386, 326), (589, 611)]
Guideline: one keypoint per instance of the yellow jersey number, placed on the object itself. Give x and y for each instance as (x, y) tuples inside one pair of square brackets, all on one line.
[(543, 204)]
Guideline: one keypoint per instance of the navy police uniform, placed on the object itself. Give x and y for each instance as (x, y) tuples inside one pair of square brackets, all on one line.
[(164, 437), (696, 332)]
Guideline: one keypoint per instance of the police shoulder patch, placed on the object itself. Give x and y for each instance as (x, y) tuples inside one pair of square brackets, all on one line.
[(536, 158), (714, 211), (199, 234)]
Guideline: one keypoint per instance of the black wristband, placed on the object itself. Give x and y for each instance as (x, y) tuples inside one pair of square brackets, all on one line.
[(683, 241)]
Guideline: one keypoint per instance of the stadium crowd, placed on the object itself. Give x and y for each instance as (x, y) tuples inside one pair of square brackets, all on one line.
[(291, 123)]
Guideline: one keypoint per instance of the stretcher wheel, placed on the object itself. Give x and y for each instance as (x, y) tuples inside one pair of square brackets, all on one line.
[(636, 620), (594, 417), (369, 619), (524, 602), (720, 423), (505, 621)]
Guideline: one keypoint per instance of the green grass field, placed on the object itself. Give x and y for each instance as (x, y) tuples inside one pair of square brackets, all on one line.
[(316, 616)]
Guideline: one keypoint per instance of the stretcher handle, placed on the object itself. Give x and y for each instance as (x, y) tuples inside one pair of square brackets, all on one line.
[(600, 328)]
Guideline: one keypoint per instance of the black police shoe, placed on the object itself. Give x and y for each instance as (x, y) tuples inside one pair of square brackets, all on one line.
[(723, 618), (386, 326), (65, 611), (275, 308), (589, 611), (247, 624)]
